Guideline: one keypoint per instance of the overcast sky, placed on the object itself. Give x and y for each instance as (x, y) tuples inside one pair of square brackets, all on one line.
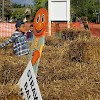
[(23, 1)]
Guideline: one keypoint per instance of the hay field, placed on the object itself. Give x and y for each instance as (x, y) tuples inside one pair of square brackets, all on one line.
[(68, 70)]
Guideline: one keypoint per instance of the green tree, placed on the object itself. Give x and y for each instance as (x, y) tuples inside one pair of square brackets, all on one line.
[(14, 5), (18, 13), (84, 8), (38, 4), (7, 7)]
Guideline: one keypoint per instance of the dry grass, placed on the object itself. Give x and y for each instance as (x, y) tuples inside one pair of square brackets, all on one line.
[(67, 72), (75, 34)]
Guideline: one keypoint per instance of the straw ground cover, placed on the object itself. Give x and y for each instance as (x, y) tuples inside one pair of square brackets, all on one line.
[(69, 71)]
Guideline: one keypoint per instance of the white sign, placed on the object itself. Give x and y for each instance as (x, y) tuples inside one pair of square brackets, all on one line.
[(58, 10), (29, 85)]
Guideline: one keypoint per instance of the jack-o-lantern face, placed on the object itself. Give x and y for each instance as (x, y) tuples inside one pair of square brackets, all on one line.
[(40, 22)]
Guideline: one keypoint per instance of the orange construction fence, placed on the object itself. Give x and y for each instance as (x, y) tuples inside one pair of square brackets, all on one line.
[(94, 28), (6, 29)]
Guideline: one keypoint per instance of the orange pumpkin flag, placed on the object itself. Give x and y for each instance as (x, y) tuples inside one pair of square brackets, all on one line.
[(40, 22), (40, 25)]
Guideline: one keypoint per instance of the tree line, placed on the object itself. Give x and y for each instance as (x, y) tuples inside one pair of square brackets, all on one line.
[(89, 8)]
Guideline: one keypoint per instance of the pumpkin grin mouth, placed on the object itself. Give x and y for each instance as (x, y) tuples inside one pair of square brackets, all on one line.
[(38, 31)]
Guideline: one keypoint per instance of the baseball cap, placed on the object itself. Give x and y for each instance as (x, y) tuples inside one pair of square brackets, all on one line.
[(18, 24)]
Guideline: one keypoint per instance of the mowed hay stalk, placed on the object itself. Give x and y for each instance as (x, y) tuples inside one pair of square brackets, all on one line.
[(11, 69), (75, 34), (85, 51), (92, 51), (59, 76), (10, 92), (76, 51)]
